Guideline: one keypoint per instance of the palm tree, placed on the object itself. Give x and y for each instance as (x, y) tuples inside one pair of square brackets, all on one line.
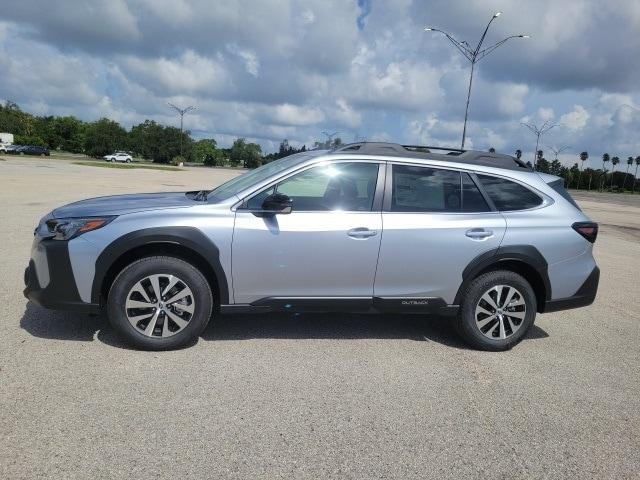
[(605, 159), (614, 162), (635, 175), (584, 156), (629, 163)]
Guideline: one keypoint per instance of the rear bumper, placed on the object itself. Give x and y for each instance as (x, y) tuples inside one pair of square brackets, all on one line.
[(59, 292), (585, 295)]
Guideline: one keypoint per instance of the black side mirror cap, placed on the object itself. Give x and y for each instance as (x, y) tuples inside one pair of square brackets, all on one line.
[(277, 203)]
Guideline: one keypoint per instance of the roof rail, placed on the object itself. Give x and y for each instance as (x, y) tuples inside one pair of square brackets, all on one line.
[(422, 148), (457, 155)]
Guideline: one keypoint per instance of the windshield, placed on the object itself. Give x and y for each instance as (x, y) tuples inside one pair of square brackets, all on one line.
[(239, 183)]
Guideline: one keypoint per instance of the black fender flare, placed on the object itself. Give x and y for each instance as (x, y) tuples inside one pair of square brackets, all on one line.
[(189, 237), (526, 254)]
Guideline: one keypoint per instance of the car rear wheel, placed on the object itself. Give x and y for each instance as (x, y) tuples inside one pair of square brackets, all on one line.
[(497, 310), (160, 303)]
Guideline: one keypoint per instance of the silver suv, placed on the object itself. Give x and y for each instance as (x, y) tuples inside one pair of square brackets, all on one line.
[(369, 227)]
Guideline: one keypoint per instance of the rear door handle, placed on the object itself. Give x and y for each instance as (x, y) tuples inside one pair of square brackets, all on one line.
[(361, 232), (478, 233)]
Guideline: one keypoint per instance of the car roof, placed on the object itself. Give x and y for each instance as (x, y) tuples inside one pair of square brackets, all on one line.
[(454, 155)]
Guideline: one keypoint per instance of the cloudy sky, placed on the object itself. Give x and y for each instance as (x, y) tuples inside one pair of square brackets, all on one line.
[(274, 69)]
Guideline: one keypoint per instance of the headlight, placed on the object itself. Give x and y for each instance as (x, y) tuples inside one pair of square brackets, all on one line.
[(68, 228)]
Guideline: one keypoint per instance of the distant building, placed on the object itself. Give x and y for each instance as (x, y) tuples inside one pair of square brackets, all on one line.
[(6, 138)]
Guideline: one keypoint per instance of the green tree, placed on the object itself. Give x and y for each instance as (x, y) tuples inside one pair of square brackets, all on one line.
[(205, 151), (247, 154), (104, 137), (556, 167), (614, 161), (158, 142), (542, 165), (605, 159), (629, 163), (584, 156), (236, 158), (69, 133)]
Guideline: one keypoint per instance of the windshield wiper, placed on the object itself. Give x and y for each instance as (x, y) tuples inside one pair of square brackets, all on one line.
[(201, 196)]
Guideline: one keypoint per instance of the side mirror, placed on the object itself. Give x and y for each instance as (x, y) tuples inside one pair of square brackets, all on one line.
[(277, 203)]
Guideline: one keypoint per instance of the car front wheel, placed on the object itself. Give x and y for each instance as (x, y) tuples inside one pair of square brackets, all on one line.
[(160, 303), (497, 310)]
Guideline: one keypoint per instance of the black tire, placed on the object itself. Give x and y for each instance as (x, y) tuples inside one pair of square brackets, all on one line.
[(466, 320), (140, 269)]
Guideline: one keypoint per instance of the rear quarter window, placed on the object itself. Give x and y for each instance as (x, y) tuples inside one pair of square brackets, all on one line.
[(558, 186), (508, 195)]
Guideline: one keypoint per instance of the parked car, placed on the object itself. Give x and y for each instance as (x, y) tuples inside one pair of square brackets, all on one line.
[(118, 157), (369, 227), (10, 148), (33, 150)]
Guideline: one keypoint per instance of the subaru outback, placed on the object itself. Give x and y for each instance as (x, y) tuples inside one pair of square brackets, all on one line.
[(368, 227)]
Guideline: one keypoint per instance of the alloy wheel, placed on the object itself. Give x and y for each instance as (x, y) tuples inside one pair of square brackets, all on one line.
[(160, 305), (500, 312)]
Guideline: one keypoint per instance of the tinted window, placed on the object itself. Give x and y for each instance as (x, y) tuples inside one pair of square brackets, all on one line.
[(472, 199), (422, 189), (558, 186), (339, 186), (508, 195)]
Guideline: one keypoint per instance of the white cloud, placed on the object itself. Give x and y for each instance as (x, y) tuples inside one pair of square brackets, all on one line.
[(345, 114), (402, 85), (546, 113), (276, 68), (576, 119), (189, 73), (249, 58), (288, 114)]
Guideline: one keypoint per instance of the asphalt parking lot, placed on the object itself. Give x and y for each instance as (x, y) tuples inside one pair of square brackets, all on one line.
[(312, 396)]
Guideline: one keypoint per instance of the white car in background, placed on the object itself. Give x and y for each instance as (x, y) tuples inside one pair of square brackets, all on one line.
[(119, 157)]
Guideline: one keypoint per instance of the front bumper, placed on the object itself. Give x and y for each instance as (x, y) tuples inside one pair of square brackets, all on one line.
[(59, 291), (585, 295)]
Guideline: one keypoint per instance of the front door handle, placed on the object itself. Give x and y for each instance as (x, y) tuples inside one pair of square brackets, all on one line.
[(361, 232), (478, 233)]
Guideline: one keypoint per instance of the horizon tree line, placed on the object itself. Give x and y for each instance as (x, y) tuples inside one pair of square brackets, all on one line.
[(161, 144), (573, 175)]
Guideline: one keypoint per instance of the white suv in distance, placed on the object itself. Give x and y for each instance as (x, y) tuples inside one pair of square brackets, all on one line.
[(119, 157)]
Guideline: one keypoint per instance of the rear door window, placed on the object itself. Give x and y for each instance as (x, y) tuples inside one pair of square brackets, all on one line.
[(472, 199), (425, 189), (508, 195)]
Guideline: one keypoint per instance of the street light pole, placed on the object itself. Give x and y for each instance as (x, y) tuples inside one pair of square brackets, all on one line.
[(558, 151), (330, 137), (539, 132), (181, 112), (474, 55)]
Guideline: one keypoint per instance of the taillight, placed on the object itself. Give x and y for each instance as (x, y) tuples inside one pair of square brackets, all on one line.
[(588, 230)]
